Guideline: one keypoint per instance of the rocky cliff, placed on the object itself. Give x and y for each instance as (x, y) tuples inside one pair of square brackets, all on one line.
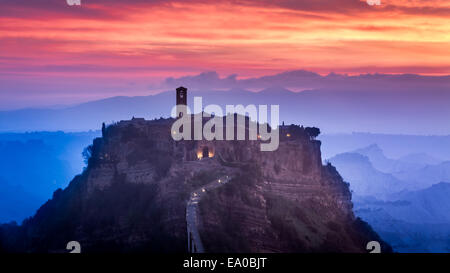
[(132, 197)]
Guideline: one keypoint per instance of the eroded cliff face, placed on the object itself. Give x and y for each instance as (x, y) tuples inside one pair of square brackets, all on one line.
[(284, 201), (132, 197)]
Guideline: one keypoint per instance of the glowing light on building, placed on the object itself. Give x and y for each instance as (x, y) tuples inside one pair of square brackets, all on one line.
[(205, 152)]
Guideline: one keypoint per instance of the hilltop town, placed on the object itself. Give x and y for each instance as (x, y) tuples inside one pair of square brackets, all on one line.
[(133, 197)]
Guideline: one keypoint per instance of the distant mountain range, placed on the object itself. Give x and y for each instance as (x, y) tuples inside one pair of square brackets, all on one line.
[(419, 150), (404, 199), (430, 205), (16, 203), (303, 79), (430, 173), (406, 104), (415, 168), (372, 173), (364, 179), (414, 221), (33, 165)]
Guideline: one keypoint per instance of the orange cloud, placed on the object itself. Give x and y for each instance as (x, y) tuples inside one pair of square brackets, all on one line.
[(170, 38)]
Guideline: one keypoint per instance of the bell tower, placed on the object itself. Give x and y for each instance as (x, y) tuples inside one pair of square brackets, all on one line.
[(181, 99)]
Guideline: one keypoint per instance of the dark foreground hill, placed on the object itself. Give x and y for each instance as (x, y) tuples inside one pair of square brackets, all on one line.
[(132, 198)]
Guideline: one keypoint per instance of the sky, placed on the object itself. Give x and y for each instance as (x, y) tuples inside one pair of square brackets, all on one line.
[(55, 54)]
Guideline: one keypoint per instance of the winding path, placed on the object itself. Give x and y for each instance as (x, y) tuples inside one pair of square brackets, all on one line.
[(192, 217)]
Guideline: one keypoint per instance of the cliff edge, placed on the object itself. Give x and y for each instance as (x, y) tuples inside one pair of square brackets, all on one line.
[(132, 197)]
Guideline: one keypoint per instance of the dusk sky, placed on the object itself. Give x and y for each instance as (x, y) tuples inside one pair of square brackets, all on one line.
[(52, 53)]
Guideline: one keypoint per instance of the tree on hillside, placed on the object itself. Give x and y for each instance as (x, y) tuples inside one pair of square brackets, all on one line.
[(103, 129), (312, 132), (87, 154)]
